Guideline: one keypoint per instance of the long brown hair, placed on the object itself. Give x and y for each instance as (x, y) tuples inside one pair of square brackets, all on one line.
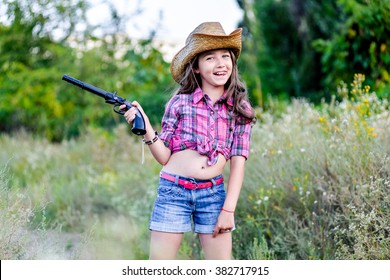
[(234, 87)]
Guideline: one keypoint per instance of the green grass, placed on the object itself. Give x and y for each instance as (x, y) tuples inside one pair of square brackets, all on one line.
[(316, 187)]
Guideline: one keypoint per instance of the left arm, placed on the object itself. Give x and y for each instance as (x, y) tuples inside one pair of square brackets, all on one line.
[(235, 182), (226, 219), (239, 154)]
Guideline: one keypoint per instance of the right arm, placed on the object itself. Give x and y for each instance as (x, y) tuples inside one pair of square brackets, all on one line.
[(159, 151)]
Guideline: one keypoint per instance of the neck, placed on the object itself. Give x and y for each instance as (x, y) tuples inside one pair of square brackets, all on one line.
[(214, 93)]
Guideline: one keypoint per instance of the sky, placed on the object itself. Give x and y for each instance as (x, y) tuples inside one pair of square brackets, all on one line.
[(179, 17)]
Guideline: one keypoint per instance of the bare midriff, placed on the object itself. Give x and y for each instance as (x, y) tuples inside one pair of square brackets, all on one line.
[(190, 163)]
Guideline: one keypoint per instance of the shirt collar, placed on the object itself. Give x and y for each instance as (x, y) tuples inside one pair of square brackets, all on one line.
[(198, 95)]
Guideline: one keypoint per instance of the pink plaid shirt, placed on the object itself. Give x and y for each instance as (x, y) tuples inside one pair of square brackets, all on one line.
[(191, 122)]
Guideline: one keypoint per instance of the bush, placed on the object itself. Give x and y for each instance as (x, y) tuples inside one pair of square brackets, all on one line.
[(317, 180)]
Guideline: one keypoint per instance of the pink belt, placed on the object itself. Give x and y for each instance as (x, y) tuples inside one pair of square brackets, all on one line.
[(191, 184)]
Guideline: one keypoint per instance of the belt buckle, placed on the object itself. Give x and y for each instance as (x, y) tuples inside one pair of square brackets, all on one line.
[(193, 182)]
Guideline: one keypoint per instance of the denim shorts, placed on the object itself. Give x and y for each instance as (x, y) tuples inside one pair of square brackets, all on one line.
[(180, 210)]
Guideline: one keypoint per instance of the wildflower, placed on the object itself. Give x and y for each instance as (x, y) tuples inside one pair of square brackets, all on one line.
[(345, 122), (336, 128), (258, 202), (266, 198), (302, 150), (370, 132)]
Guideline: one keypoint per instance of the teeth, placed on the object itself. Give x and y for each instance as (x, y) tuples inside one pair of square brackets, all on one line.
[(220, 73)]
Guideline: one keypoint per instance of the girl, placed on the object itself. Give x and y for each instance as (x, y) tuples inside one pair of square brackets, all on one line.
[(205, 124)]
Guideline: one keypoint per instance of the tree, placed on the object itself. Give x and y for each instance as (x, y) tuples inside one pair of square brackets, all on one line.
[(303, 48), (362, 45), (31, 60), (34, 58)]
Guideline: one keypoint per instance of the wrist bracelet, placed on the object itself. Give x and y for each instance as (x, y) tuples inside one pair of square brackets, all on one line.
[(150, 142), (227, 210)]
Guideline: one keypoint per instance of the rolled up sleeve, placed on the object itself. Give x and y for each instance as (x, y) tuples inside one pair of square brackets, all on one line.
[(169, 122), (241, 138)]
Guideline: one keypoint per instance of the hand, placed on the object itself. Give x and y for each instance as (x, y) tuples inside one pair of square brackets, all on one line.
[(224, 224), (130, 114)]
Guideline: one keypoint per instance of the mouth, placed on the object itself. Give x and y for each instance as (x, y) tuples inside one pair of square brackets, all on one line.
[(220, 73)]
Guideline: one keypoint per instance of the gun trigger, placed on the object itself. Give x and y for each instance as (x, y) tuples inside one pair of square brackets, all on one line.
[(118, 111)]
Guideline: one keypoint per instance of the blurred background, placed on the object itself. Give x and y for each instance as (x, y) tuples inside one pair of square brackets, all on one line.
[(72, 185), (291, 49)]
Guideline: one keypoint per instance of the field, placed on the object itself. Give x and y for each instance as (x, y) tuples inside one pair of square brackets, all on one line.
[(317, 187)]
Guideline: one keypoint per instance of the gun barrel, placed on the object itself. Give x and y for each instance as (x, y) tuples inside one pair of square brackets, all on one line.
[(86, 86)]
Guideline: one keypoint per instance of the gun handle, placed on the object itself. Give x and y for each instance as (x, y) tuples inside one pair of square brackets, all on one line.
[(139, 124)]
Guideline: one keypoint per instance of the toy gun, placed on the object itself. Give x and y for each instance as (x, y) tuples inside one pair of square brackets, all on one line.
[(112, 98)]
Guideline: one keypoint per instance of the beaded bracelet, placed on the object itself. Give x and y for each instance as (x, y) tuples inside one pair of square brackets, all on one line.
[(150, 142)]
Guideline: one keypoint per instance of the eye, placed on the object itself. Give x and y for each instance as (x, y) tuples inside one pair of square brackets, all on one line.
[(226, 55)]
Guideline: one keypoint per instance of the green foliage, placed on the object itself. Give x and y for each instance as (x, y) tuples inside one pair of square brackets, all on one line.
[(94, 188), (317, 180), (361, 45), (279, 43), (32, 95), (304, 48)]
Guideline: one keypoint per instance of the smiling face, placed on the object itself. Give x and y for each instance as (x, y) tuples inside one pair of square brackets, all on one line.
[(214, 68)]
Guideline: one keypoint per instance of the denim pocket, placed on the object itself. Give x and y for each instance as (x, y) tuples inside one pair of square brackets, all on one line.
[(217, 193), (168, 190)]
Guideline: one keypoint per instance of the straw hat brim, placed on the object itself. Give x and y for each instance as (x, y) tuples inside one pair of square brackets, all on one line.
[(204, 42)]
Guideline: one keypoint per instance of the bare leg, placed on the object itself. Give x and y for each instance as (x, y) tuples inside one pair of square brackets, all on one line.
[(217, 248), (164, 245)]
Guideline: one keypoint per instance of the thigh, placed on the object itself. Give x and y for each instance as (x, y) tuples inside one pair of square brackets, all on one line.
[(217, 248), (164, 245)]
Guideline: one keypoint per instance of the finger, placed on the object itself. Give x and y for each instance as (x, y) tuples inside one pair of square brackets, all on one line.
[(138, 106), (135, 103), (130, 112), (216, 231)]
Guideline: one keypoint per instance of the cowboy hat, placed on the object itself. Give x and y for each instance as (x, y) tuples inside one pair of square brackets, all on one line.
[(207, 36)]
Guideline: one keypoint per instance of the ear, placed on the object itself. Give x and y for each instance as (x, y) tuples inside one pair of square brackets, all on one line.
[(196, 71)]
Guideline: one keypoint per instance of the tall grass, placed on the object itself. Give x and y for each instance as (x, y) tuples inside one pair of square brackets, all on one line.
[(94, 186), (318, 180), (316, 187)]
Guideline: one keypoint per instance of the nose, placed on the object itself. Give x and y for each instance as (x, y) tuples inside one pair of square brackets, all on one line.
[(220, 62)]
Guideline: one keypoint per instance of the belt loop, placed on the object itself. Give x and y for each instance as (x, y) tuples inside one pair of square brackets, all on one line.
[(176, 179), (213, 181)]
